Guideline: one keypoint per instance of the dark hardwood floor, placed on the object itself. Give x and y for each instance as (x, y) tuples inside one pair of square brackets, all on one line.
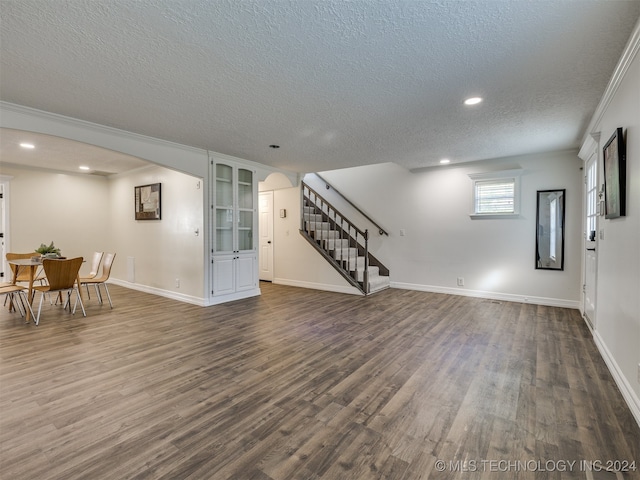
[(304, 384)]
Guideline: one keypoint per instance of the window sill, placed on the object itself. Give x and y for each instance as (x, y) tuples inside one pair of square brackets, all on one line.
[(478, 216)]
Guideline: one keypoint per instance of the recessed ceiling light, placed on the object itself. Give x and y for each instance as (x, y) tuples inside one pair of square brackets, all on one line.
[(472, 101), (84, 167), (444, 161), (27, 145)]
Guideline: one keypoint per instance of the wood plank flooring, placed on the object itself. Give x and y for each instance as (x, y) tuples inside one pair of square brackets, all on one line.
[(304, 384)]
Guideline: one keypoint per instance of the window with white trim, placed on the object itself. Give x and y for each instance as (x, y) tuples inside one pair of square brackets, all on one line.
[(496, 194)]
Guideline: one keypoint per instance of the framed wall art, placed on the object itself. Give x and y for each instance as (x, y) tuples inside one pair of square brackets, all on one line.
[(148, 202), (615, 181)]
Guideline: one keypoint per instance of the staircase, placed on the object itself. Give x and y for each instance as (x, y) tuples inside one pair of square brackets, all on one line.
[(342, 244)]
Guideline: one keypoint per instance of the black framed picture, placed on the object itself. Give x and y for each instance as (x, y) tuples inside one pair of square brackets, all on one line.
[(615, 181), (148, 202)]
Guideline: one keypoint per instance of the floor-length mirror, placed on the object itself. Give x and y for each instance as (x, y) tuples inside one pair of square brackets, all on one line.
[(550, 230)]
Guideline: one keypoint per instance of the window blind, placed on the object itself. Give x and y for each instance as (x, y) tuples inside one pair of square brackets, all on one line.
[(495, 196)]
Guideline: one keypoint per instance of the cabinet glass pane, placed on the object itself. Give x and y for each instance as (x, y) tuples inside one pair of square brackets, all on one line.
[(224, 230), (245, 230), (224, 172), (245, 219), (224, 188), (224, 240), (245, 188), (224, 218), (245, 176), (245, 240)]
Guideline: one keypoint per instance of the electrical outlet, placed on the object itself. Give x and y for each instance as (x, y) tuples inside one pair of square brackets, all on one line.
[(177, 283), (460, 281), (403, 232)]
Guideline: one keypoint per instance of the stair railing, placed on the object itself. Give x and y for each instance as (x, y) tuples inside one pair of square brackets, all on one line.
[(381, 230), (315, 221)]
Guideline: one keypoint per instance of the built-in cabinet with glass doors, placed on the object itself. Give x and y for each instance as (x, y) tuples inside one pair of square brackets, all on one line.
[(234, 223)]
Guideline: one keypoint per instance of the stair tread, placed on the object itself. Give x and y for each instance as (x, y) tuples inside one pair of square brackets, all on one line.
[(340, 249)]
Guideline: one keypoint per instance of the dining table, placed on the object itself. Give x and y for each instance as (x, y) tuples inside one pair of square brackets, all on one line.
[(32, 264)]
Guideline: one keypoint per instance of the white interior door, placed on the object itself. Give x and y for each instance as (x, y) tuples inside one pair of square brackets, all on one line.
[(591, 238), (4, 234), (265, 227)]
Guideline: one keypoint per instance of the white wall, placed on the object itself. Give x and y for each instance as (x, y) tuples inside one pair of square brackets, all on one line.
[(496, 257), (71, 210), (617, 328), (161, 253), (183, 210), (87, 213), (179, 158), (295, 261)]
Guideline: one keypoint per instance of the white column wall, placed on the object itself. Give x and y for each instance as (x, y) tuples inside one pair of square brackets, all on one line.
[(618, 280)]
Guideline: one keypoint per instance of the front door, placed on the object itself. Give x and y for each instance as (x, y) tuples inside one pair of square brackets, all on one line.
[(265, 229), (592, 204)]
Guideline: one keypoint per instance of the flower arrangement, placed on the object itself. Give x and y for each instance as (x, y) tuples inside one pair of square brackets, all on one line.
[(48, 250)]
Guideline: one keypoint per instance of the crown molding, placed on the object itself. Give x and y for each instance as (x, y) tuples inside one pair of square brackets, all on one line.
[(628, 55), (83, 124), (589, 145)]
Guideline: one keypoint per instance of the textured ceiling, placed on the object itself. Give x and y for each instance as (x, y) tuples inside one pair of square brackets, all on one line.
[(62, 154), (335, 83)]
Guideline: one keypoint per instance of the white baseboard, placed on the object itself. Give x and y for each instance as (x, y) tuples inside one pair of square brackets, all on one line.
[(318, 286), (162, 293), (201, 302), (506, 297), (625, 388), (254, 292)]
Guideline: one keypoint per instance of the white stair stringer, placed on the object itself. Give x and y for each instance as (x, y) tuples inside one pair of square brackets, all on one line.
[(340, 250)]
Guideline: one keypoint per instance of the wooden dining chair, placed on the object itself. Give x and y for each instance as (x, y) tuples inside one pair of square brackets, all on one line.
[(21, 275), (102, 280), (10, 291), (61, 276), (96, 260)]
